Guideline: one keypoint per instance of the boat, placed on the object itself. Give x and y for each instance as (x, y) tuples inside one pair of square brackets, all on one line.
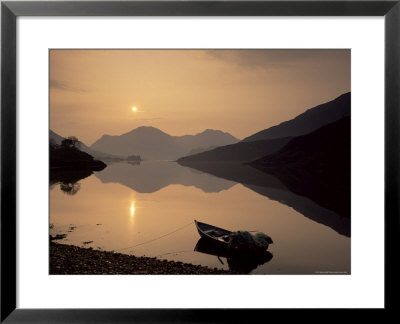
[(213, 234), (225, 239)]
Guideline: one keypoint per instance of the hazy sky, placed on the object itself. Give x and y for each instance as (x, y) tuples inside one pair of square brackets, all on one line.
[(92, 92)]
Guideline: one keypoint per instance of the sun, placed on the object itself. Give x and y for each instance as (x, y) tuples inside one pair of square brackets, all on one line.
[(134, 109)]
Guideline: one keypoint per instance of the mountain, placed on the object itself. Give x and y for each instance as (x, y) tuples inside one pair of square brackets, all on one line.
[(207, 138), (316, 165), (153, 144), (324, 151), (239, 152), (55, 137), (308, 121), (272, 139), (96, 154), (149, 142)]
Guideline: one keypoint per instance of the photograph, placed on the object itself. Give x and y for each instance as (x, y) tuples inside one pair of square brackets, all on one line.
[(199, 161), (181, 145)]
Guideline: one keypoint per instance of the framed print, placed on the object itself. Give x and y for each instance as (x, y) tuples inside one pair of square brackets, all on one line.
[(184, 160)]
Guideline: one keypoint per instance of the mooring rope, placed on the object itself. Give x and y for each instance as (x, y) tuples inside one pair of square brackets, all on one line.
[(155, 239), (176, 252)]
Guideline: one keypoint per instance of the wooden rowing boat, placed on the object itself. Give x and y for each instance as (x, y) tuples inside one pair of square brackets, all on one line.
[(223, 238), (213, 234)]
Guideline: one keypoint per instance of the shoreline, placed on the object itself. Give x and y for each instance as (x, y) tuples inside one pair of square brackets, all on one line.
[(70, 259)]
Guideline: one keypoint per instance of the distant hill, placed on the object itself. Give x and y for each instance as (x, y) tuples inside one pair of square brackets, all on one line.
[(153, 144), (55, 137), (316, 165), (239, 152), (207, 138), (308, 121), (96, 154)]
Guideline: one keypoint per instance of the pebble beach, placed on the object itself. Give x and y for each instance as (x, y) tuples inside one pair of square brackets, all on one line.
[(69, 259)]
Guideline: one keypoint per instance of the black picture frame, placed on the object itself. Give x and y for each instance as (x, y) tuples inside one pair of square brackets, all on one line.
[(10, 10)]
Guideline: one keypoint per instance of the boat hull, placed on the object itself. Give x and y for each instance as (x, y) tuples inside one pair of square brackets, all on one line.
[(213, 234), (221, 237)]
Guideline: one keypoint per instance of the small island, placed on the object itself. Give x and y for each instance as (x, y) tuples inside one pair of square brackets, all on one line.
[(68, 165), (67, 155), (134, 159)]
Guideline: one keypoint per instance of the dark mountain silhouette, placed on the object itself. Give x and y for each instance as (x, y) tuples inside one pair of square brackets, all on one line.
[(308, 121), (324, 152), (239, 152), (201, 149), (57, 139), (151, 176), (270, 186), (153, 144), (272, 139), (316, 165)]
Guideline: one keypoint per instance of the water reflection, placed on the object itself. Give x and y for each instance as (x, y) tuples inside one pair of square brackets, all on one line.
[(67, 179), (151, 176), (307, 201), (323, 203), (242, 263), (167, 196), (70, 188), (132, 209)]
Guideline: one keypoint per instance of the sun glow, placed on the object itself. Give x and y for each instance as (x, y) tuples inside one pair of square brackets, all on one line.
[(134, 109), (132, 209)]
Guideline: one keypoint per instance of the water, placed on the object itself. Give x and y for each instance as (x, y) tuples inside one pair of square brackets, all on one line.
[(149, 210)]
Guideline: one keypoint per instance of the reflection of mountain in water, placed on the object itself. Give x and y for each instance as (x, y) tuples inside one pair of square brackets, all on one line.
[(241, 173), (316, 165), (269, 186), (151, 176), (306, 207)]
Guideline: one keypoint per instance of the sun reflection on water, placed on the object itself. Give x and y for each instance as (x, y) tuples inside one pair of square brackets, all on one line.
[(132, 210)]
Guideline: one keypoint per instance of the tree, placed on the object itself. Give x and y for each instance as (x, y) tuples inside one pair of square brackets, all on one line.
[(71, 142), (53, 144)]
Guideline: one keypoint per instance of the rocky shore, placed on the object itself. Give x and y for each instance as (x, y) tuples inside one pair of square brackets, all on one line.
[(69, 259)]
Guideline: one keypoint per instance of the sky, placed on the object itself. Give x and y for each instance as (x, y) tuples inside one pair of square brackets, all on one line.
[(92, 92)]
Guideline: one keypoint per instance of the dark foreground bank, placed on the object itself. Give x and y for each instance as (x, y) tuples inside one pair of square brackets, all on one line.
[(69, 259)]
